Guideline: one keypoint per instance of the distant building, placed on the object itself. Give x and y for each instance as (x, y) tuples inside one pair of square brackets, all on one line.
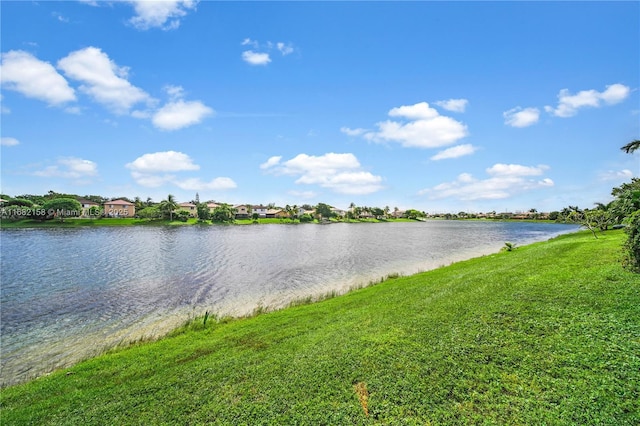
[(119, 208), (190, 207)]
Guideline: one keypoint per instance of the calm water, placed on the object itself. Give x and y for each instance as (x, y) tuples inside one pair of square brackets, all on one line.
[(67, 294)]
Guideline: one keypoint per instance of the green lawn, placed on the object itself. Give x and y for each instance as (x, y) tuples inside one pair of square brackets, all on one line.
[(545, 334)]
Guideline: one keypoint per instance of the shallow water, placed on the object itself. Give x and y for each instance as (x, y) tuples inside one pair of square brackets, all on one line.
[(67, 294)]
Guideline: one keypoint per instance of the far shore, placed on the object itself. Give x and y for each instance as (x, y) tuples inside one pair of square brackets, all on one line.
[(87, 222)]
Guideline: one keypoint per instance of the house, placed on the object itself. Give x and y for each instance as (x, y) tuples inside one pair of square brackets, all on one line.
[(338, 212), (119, 208), (260, 210), (190, 207), (242, 211), (87, 205), (212, 206), (277, 214), (365, 214)]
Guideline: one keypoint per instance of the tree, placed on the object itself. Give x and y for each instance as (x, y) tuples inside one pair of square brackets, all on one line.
[(631, 147), (377, 212), (168, 206), (203, 211), (224, 213), (151, 212), (62, 207), (324, 211), (139, 205)]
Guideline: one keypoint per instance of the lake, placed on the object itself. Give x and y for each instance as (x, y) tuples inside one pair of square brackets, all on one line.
[(70, 293)]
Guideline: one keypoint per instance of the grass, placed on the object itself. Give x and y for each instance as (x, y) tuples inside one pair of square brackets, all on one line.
[(546, 334)]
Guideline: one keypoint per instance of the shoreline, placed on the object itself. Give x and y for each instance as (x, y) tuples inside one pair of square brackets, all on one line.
[(510, 338), (149, 329), (120, 222)]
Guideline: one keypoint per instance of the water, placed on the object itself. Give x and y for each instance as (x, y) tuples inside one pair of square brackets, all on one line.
[(67, 294)]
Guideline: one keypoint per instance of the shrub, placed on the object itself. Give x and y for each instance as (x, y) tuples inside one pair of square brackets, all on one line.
[(306, 218)]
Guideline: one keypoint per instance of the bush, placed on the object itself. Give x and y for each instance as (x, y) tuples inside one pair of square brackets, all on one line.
[(305, 218), (632, 245)]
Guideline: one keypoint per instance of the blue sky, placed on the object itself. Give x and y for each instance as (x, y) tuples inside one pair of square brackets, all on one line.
[(438, 106)]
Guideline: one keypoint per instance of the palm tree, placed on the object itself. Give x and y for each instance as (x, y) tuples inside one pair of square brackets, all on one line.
[(169, 205), (631, 147)]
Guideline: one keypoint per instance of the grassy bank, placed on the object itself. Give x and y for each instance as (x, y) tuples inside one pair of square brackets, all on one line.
[(545, 334)]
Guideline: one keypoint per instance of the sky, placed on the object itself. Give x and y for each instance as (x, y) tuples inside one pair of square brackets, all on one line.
[(435, 106)]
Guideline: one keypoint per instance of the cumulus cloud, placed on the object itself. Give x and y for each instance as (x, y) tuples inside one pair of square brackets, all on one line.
[(71, 168), (421, 126), (159, 168), (504, 181), (167, 161), (255, 58), (6, 141), (455, 152), (102, 79), (272, 161), (165, 14), (519, 117), (178, 114), (340, 173), (454, 105), (24, 73), (568, 104)]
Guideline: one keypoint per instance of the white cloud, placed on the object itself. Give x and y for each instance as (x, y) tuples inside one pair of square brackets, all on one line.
[(505, 180), (6, 141), (167, 161), (165, 14), (519, 117), (26, 74), (568, 104), (455, 152), (3, 108), (454, 105), (426, 128), (103, 80), (196, 184), (255, 58), (248, 42), (419, 111), (178, 114), (272, 161), (71, 168), (353, 132), (155, 169), (500, 169), (619, 175), (339, 172), (285, 49), (260, 53)]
